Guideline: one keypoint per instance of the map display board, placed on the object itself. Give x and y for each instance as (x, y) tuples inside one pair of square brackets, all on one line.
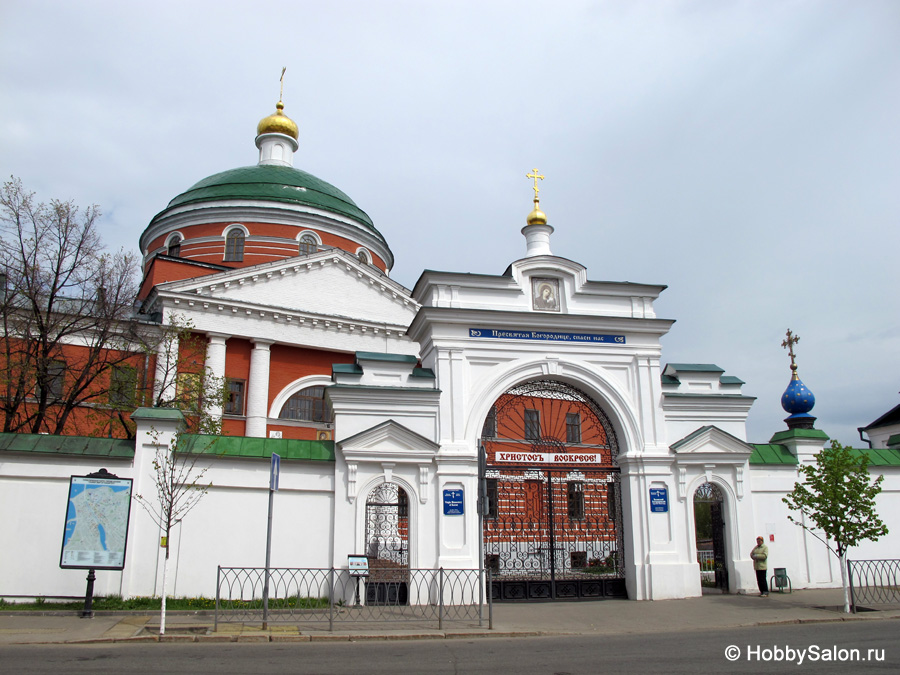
[(96, 523)]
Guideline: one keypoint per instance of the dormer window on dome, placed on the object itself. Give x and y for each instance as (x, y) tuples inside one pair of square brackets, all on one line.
[(308, 244), (234, 245), (173, 248)]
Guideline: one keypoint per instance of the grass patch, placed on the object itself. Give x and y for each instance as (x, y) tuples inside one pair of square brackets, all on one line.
[(140, 603), (110, 603)]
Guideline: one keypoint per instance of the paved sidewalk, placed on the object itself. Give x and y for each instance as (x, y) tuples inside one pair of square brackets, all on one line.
[(510, 620)]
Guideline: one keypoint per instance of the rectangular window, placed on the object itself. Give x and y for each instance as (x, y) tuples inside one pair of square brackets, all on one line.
[(573, 428), (532, 425), (491, 498), (534, 500), (54, 381), (188, 387), (575, 494), (234, 403), (578, 560), (612, 508), (123, 386), (489, 430), (234, 246)]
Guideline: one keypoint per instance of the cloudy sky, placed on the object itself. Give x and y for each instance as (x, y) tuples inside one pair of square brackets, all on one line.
[(746, 154)]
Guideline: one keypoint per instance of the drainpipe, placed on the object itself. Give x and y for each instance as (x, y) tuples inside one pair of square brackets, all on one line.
[(864, 440)]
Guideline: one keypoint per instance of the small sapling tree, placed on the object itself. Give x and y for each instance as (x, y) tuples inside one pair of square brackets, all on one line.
[(837, 499)]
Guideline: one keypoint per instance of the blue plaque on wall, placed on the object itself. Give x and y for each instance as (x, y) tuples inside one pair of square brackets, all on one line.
[(453, 503), (659, 500)]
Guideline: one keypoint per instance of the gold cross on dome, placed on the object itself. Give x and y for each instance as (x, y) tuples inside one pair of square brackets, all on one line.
[(788, 343), (536, 177), (281, 93)]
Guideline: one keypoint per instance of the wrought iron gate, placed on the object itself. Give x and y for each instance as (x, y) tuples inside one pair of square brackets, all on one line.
[(709, 494), (551, 503), (387, 545)]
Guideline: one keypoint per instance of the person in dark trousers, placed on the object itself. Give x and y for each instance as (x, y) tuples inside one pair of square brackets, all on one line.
[(760, 554)]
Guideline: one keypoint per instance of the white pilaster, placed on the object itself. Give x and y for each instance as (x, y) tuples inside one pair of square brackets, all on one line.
[(154, 440), (215, 365), (258, 389)]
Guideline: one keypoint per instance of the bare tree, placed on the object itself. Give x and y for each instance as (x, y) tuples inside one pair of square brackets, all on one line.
[(66, 311)]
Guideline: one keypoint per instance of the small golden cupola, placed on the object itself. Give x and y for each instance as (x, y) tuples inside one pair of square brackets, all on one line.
[(537, 232), (278, 123), (277, 134)]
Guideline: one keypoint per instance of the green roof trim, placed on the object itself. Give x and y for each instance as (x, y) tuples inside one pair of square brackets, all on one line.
[(696, 367), (167, 414), (772, 453), (730, 379), (427, 373), (258, 448), (351, 368), (379, 356), (880, 456), (112, 448), (798, 433), (269, 182), (668, 379)]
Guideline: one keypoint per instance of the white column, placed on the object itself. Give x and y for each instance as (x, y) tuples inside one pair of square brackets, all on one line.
[(258, 389), (215, 366), (166, 369)]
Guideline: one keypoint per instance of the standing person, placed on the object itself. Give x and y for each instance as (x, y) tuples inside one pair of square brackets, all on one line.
[(760, 554)]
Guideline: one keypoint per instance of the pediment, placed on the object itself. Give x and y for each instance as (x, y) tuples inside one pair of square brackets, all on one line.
[(388, 442), (710, 440), (328, 283)]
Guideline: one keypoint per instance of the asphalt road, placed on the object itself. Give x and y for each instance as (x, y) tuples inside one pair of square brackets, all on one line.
[(828, 649)]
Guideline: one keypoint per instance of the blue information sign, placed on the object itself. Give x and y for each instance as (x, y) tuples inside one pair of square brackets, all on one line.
[(274, 472), (545, 335), (453, 503), (659, 500)]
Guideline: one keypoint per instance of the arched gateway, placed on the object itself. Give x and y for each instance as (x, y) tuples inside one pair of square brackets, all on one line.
[(552, 521)]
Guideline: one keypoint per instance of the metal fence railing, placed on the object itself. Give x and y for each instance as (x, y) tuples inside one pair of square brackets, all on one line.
[(874, 582), (319, 596), (707, 565)]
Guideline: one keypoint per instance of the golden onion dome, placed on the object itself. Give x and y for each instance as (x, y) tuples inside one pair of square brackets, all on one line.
[(278, 123), (537, 217)]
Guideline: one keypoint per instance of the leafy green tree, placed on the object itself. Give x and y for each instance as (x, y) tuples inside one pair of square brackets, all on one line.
[(837, 499)]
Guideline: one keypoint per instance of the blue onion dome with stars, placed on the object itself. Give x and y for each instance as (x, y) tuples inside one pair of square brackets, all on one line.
[(797, 399)]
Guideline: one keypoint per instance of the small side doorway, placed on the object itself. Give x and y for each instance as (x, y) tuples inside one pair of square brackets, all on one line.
[(387, 545), (709, 526)]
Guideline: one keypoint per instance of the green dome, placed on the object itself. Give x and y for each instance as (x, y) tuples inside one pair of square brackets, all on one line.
[(269, 182)]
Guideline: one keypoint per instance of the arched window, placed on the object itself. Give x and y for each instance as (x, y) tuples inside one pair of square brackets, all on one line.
[(234, 245), (308, 244), (363, 256), (174, 247), (307, 405)]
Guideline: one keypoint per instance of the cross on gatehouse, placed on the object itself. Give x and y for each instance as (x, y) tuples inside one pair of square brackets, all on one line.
[(788, 343), (536, 177), (281, 93)]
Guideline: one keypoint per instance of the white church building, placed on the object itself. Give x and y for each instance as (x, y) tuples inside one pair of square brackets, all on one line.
[(524, 423)]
